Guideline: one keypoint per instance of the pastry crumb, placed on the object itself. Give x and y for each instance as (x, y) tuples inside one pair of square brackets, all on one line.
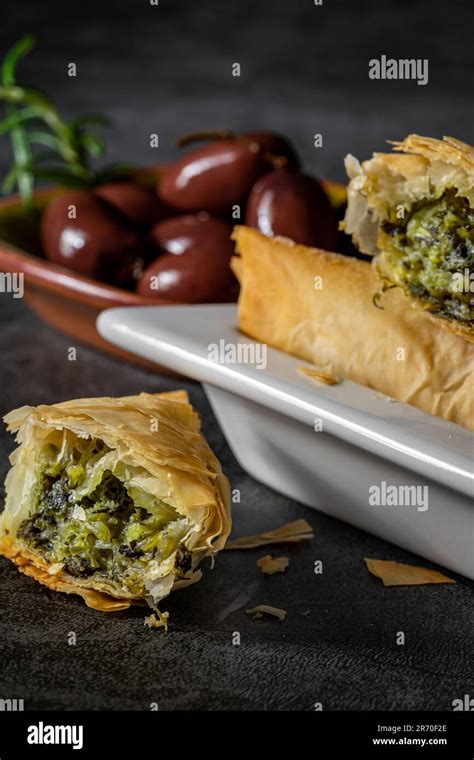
[(265, 609), (269, 565), (319, 376), (157, 620)]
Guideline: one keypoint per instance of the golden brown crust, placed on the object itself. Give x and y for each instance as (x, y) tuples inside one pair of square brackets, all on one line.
[(449, 149), (33, 566), (453, 326), (423, 167), (333, 323), (161, 434), (409, 167)]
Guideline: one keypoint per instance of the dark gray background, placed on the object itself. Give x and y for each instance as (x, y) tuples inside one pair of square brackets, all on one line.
[(166, 69)]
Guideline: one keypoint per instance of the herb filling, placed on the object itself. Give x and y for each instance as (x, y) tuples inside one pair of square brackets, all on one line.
[(430, 253), (101, 531)]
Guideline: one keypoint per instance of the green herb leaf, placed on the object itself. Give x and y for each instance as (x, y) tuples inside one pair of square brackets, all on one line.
[(19, 136), (16, 117), (39, 137), (94, 144), (15, 54), (33, 119)]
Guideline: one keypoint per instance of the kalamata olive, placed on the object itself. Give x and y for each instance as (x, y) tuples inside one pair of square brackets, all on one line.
[(273, 144), (190, 278), (194, 267), (137, 203), (293, 205), (180, 233), (85, 233), (213, 177)]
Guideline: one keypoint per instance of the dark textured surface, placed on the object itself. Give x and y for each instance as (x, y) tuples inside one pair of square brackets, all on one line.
[(167, 69)]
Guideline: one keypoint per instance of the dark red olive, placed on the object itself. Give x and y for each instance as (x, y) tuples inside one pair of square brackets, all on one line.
[(194, 266), (86, 234), (180, 233), (293, 205), (274, 145), (137, 203), (213, 177)]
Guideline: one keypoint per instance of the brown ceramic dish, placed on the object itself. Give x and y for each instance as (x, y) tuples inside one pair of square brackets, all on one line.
[(70, 302)]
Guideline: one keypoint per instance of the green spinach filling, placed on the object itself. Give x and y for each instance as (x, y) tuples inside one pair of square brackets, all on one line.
[(430, 253), (96, 525)]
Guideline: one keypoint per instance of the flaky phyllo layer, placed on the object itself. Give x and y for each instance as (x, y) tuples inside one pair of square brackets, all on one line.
[(115, 499), (415, 214)]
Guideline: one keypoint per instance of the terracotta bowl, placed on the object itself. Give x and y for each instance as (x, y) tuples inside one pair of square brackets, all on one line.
[(68, 301)]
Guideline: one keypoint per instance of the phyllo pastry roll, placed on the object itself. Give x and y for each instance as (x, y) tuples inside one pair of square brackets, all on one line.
[(319, 306), (115, 499), (414, 210)]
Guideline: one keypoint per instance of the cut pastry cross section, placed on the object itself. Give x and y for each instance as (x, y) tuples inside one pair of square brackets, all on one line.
[(115, 499), (414, 211)]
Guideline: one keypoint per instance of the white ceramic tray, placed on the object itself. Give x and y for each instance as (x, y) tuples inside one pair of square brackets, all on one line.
[(272, 417)]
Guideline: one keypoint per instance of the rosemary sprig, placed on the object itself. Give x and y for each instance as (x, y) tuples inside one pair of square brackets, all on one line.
[(19, 137), (32, 119)]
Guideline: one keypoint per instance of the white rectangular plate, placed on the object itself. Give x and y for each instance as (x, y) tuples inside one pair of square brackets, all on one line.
[(325, 446)]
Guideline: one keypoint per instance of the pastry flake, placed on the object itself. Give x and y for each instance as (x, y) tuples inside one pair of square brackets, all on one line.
[(290, 533), (265, 609), (270, 565), (399, 574)]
